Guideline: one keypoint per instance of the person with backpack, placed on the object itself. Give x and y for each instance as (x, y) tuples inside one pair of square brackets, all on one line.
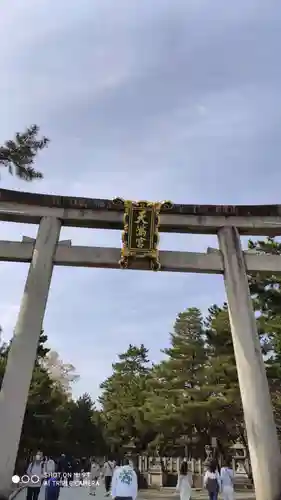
[(35, 472), (108, 469), (227, 481), (212, 481)]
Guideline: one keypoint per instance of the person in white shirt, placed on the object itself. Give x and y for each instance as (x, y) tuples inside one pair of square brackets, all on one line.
[(35, 472), (108, 469), (124, 483), (94, 476), (212, 482), (49, 466), (184, 482), (227, 482)]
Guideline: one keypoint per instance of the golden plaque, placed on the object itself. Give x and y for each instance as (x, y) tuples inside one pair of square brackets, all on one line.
[(140, 237)]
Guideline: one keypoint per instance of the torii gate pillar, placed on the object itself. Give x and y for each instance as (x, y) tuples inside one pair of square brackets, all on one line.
[(22, 354), (260, 426)]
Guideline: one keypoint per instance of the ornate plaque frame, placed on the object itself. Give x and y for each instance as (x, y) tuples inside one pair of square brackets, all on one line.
[(140, 237)]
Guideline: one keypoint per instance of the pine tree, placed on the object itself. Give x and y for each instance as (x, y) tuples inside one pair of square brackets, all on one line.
[(176, 397), (227, 420), (18, 155), (266, 294), (266, 288), (122, 399), (83, 432), (225, 415)]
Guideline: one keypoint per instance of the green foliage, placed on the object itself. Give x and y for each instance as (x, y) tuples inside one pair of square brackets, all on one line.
[(53, 421), (266, 293), (83, 428), (18, 155), (194, 391), (123, 399), (225, 418), (177, 384), (42, 350)]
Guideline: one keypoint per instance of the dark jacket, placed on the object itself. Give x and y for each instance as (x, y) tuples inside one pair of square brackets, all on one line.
[(52, 490)]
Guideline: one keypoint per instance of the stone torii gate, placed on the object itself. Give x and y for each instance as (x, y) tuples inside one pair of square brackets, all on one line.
[(52, 212)]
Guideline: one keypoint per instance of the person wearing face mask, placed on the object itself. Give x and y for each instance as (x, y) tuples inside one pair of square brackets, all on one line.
[(35, 472)]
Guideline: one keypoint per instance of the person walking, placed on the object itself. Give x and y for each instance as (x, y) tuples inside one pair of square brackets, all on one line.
[(184, 482), (227, 481), (94, 476), (62, 463), (108, 469), (69, 472), (61, 468), (49, 466), (212, 482), (124, 482), (35, 472)]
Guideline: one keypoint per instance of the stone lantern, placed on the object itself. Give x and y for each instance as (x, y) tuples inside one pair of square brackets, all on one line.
[(130, 451)]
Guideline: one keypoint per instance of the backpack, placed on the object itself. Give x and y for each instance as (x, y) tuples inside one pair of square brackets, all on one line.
[(212, 485)]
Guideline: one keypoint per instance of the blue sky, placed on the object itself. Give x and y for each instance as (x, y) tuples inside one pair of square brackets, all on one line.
[(153, 100)]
